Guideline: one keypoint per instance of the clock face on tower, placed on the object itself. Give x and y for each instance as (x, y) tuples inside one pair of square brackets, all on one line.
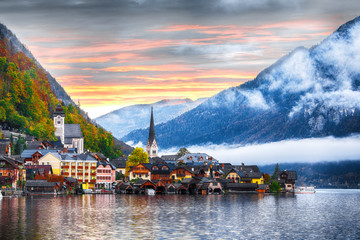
[(58, 120)]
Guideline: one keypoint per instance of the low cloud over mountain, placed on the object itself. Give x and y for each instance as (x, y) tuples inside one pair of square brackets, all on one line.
[(308, 93)]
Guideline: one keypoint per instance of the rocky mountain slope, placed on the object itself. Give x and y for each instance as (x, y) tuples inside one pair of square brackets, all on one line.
[(308, 93)]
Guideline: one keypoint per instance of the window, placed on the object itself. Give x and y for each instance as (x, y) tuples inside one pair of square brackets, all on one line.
[(0, 173), (134, 175), (164, 168), (146, 175), (42, 163), (154, 151), (140, 175)]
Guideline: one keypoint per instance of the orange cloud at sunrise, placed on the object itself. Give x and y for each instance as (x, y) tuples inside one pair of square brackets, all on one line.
[(131, 54)]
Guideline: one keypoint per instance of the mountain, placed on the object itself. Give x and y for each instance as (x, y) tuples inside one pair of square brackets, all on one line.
[(29, 96), (124, 120), (339, 174), (307, 93)]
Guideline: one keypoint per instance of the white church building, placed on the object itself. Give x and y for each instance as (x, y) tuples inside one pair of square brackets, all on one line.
[(69, 134)]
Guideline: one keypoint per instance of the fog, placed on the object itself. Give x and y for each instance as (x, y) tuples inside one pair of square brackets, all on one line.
[(304, 150)]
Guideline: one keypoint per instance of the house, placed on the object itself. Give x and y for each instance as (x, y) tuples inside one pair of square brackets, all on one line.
[(176, 188), (36, 187), (286, 180), (69, 134), (105, 175), (197, 159), (141, 170), (37, 170), (53, 159), (80, 166), (32, 156), (124, 187), (234, 175), (120, 164), (160, 186), (206, 186), (180, 173), (162, 172), (9, 171)]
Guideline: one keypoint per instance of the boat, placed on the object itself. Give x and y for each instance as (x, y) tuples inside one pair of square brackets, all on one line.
[(305, 190), (150, 191)]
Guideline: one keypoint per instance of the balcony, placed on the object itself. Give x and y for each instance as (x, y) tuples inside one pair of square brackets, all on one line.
[(65, 173), (93, 168), (180, 175), (92, 181), (92, 174), (65, 166), (140, 171)]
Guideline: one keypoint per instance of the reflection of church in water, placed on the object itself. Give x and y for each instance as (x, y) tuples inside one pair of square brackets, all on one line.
[(151, 146)]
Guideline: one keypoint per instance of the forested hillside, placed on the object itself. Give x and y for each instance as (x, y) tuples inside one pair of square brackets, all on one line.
[(27, 101)]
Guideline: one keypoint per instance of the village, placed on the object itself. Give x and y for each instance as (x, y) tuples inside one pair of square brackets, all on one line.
[(65, 167)]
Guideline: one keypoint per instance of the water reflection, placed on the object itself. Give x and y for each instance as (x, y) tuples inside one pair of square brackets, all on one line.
[(244, 216)]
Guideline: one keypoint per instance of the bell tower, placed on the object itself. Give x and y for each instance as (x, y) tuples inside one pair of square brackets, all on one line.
[(151, 146), (59, 122)]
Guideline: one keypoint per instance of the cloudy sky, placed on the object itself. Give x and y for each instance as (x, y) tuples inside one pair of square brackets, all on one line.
[(110, 53)]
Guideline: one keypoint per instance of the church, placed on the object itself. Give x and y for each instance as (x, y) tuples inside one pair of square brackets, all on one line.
[(151, 146), (69, 134)]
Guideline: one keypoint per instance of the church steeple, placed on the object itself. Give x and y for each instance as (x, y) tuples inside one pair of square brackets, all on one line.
[(152, 147)]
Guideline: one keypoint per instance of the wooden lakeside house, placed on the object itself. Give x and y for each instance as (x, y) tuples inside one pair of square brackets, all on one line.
[(180, 173), (124, 188), (141, 171), (286, 180), (162, 172), (10, 171), (42, 187)]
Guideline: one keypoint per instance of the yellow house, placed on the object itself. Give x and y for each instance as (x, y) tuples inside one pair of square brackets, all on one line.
[(53, 159), (234, 175), (180, 173)]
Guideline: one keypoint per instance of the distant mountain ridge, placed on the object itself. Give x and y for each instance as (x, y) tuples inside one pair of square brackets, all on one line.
[(307, 93), (122, 121)]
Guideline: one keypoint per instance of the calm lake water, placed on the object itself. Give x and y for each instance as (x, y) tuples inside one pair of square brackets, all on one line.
[(327, 214)]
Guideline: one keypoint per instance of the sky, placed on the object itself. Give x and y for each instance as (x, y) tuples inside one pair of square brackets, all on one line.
[(109, 54)]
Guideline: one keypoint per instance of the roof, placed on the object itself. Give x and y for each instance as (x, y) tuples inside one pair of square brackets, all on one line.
[(39, 183), (152, 128), (104, 163), (155, 160), (119, 163), (9, 160), (170, 157), (59, 111), (291, 175), (35, 145), (29, 152), (197, 157), (72, 131), (77, 157)]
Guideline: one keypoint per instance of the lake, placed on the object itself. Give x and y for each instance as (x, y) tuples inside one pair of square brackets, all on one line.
[(327, 214)]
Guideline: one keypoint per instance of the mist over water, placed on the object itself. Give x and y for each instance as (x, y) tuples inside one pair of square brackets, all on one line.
[(287, 151)]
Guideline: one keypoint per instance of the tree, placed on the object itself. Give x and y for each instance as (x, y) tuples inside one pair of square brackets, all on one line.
[(267, 178), (277, 169), (182, 151), (137, 156), (119, 176), (275, 187)]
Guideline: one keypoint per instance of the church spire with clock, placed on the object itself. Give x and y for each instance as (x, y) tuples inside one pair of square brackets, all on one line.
[(151, 146)]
